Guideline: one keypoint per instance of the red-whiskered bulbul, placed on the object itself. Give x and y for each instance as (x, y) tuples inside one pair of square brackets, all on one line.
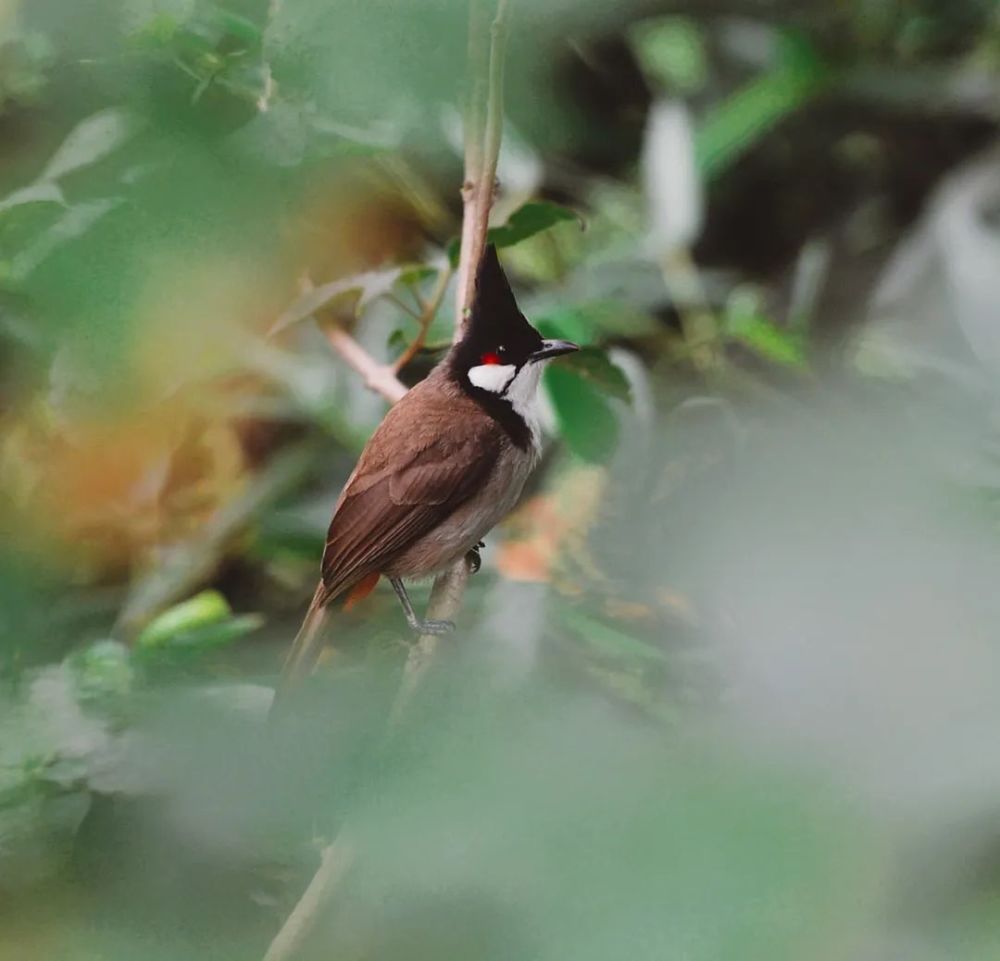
[(445, 465)]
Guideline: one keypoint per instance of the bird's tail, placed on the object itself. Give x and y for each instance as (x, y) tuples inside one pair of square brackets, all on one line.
[(308, 644), (306, 649)]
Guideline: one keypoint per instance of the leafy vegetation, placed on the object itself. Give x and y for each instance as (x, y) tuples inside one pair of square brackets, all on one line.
[(726, 686)]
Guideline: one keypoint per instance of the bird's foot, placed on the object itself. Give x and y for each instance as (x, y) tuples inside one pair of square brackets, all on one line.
[(416, 625), (473, 558)]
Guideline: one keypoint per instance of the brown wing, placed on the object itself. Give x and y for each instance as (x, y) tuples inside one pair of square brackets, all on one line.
[(404, 486)]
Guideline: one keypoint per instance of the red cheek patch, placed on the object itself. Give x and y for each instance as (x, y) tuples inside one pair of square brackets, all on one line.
[(489, 359)]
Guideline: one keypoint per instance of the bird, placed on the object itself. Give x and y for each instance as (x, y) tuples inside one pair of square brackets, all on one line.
[(447, 463)]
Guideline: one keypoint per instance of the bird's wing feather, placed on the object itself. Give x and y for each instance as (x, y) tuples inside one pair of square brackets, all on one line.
[(387, 506)]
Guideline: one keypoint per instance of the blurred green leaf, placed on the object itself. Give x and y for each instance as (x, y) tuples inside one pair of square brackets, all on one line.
[(38, 193), (366, 287), (191, 629), (587, 323), (208, 607), (671, 52), (530, 219), (595, 366), (72, 225), (188, 563), (587, 422), (411, 274), (238, 27), (771, 342), (25, 61), (198, 639), (608, 639), (90, 141), (733, 126), (102, 671)]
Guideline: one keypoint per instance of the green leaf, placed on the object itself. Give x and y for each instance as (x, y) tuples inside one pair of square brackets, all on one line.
[(73, 224), (198, 639), (206, 608), (411, 274), (366, 287), (586, 419), (736, 124), (671, 52), (90, 141), (530, 219), (39, 193), (588, 323), (772, 343), (239, 28), (101, 671), (595, 367), (607, 639)]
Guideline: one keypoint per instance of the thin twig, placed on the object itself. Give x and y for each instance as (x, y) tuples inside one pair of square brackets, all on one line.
[(335, 862), (380, 378), (405, 308), (698, 322), (446, 596), (427, 315), (476, 184)]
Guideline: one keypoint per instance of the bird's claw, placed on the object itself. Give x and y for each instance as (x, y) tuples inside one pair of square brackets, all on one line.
[(473, 559)]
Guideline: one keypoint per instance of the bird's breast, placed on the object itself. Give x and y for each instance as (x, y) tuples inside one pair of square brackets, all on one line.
[(458, 533)]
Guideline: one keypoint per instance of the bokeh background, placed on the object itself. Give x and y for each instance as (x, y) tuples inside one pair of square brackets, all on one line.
[(728, 684)]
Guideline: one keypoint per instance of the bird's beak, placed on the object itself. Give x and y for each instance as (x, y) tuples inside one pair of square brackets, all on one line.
[(553, 348)]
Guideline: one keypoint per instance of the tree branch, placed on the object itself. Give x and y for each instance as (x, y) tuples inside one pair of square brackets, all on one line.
[(378, 377), (484, 126), (446, 598), (335, 862), (427, 315), (483, 130)]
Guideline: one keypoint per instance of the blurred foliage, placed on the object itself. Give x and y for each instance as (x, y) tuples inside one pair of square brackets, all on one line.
[(726, 685)]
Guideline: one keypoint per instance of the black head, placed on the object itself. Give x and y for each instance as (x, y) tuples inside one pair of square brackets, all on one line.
[(499, 359), (498, 334)]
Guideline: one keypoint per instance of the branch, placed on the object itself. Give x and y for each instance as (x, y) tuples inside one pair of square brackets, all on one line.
[(446, 598), (482, 149), (335, 861), (378, 377), (483, 130), (426, 318)]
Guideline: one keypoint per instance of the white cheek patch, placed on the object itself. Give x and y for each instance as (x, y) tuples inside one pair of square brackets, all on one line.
[(492, 377)]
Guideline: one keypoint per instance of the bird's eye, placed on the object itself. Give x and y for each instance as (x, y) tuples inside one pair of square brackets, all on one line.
[(490, 358), (501, 349)]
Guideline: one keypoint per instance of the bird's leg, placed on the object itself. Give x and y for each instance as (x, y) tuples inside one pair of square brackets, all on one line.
[(473, 559), (417, 625)]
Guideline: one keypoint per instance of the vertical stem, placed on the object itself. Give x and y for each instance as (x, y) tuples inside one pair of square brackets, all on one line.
[(482, 152), (335, 862), (484, 127)]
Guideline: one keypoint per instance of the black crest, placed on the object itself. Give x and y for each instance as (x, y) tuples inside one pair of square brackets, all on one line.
[(497, 333), (495, 325)]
